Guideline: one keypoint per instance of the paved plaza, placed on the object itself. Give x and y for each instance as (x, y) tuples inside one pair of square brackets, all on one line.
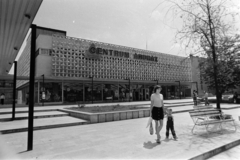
[(126, 139)]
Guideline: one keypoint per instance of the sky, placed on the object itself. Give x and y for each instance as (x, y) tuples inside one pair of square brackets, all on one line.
[(141, 24), (131, 23)]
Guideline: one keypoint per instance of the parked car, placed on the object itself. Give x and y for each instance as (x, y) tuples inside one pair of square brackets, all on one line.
[(231, 97)]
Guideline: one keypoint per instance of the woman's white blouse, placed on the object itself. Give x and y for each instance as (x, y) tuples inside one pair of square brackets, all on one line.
[(157, 99)]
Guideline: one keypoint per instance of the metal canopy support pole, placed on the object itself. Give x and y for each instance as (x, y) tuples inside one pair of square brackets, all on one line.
[(43, 90), (92, 89), (156, 81), (197, 86), (129, 89), (179, 89), (31, 88), (14, 90)]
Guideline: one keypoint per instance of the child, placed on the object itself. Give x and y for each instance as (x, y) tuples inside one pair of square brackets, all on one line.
[(170, 125)]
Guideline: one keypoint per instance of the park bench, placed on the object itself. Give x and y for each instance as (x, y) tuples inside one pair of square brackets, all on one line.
[(206, 117), (80, 104)]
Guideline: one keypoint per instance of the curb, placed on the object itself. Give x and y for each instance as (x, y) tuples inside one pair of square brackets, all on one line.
[(44, 110), (216, 151), (35, 117), (17, 130)]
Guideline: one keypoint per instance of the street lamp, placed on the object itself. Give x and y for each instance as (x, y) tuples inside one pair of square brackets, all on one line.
[(43, 92), (92, 88), (156, 81), (129, 87), (14, 90), (196, 85), (179, 89)]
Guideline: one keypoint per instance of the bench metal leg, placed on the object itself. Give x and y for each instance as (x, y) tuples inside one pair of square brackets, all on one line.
[(194, 125), (234, 126), (193, 128)]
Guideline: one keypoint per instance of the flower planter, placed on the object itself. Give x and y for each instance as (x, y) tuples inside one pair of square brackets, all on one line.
[(108, 116)]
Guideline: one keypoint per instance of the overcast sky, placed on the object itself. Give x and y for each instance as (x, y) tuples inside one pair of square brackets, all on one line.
[(133, 23)]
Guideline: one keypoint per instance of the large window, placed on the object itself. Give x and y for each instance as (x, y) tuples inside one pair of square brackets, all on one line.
[(93, 95), (110, 92), (72, 92), (52, 91), (124, 92)]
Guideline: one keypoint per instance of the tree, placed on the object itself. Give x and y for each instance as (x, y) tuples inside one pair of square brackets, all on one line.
[(205, 24), (228, 66)]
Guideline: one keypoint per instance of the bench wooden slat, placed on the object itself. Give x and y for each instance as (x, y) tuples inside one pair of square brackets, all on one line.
[(203, 114), (209, 115), (214, 121), (200, 111)]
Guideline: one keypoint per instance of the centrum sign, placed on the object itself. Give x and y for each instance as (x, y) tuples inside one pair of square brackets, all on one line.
[(97, 53)]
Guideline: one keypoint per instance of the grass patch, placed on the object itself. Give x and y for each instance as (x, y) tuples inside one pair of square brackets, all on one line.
[(110, 108)]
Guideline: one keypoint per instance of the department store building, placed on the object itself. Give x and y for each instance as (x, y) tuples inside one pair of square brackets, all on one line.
[(73, 69)]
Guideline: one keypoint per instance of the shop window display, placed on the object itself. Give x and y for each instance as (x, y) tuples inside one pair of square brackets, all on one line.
[(52, 91), (124, 92), (97, 92), (73, 92), (110, 92)]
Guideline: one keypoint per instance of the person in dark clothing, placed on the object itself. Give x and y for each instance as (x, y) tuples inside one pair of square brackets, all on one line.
[(2, 97), (27, 98), (195, 97), (206, 98), (170, 125)]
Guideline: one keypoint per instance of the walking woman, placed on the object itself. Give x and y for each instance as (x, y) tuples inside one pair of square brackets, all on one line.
[(157, 110)]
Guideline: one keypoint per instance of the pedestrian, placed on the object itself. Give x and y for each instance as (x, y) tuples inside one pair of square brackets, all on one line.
[(2, 97), (157, 110), (206, 98), (170, 125), (195, 97), (27, 98)]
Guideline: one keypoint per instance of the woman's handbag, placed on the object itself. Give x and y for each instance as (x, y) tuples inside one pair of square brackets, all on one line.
[(150, 125), (151, 129), (149, 121)]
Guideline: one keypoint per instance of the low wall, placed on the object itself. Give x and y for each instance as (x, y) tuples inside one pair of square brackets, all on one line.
[(108, 116)]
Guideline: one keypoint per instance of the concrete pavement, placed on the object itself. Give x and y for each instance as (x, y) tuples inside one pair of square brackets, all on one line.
[(128, 139)]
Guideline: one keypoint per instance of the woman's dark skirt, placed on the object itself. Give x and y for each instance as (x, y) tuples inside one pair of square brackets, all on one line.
[(157, 113)]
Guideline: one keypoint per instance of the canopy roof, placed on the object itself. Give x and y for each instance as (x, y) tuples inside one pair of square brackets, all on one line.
[(16, 17)]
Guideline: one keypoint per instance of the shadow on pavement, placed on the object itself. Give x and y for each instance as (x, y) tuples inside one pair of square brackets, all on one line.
[(149, 145)]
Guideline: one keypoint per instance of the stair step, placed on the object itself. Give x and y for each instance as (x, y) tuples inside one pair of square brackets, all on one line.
[(40, 124), (42, 127), (26, 111), (20, 116)]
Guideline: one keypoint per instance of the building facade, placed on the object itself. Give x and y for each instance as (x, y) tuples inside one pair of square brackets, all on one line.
[(73, 69)]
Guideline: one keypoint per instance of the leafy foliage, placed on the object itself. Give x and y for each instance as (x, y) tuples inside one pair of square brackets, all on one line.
[(207, 28), (228, 65)]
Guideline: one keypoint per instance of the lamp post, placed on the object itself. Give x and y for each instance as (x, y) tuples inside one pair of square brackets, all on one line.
[(196, 85), (92, 88), (179, 89), (14, 90), (31, 87), (128, 88), (43, 92)]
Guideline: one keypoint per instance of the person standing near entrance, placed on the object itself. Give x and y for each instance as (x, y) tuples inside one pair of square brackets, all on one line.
[(195, 97), (2, 97), (27, 98), (157, 110), (206, 98)]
